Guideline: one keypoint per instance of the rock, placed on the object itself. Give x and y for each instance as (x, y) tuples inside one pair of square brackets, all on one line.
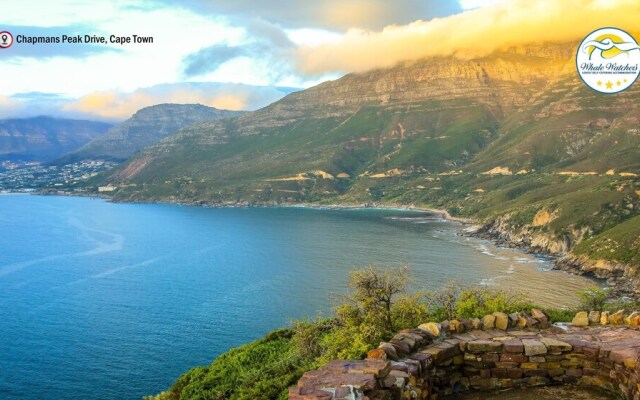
[(402, 348), (522, 321), (513, 346), (635, 320), (594, 317), (476, 323), (467, 323), (604, 318), (445, 327), (431, 327), (455, 326), (378, 368), (298, 393), (581, 319), (442, 351), (554, 345), (484, 346), (425, 360), (501, 320), (513, 320), (531, 322), (541, 317), (533, 347), (391, 352), (488, 322), (377, 354), (617, 318)]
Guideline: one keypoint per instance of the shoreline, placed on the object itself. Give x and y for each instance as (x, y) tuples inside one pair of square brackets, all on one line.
[(469, 227)]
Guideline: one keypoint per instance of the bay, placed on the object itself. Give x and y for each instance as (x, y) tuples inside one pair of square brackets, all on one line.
[(114, 301)]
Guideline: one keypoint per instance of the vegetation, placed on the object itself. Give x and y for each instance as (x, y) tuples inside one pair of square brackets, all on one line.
[(376, 307)]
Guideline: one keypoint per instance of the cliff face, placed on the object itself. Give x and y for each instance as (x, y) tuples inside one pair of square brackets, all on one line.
[(622, 276), (145, 128), (45, 138)]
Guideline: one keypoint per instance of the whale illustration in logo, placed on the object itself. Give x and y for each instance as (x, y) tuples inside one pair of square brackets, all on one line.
[(607, 47)]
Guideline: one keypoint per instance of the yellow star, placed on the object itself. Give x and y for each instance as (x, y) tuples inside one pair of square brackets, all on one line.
[(609, 85), (618, 83), (599, 83), (625, 81)]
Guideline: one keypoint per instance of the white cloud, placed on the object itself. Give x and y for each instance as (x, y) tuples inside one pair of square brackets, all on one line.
[(472, 33)]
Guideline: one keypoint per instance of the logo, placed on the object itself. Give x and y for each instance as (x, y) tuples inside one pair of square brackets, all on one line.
[(6, 40), (608, 60)]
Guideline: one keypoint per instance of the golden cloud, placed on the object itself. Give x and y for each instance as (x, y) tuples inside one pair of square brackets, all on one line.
[(118, 105), (469, 34)]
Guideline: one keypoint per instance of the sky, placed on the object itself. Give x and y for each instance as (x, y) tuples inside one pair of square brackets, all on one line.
[(245, 54)]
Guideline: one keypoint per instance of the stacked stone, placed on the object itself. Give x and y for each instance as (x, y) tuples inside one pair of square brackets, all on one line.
[(496, 352), (620, 317)]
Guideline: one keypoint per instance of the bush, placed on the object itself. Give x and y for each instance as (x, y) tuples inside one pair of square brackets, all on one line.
[(593, 299), (478, 301), (443, 302)]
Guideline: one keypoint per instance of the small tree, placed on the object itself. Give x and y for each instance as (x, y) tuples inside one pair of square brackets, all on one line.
[(374, 291), (443, 302)]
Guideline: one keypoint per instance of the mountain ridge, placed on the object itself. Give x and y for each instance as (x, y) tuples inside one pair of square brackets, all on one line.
[(44, 138), (145, 128)]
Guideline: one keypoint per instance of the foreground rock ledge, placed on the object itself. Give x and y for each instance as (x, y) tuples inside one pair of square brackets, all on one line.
[(425, 363)]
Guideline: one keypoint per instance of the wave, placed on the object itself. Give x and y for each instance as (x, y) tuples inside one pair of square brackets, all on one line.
[(116, 243), (125, 267)]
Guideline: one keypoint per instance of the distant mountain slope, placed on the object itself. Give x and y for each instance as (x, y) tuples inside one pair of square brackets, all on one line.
[(45, 138), (513, 140), (146, 127)]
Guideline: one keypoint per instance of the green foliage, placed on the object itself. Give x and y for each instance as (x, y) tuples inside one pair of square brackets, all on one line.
[(263, 369), (557, 315), (593, 298), (475, 302), (374, 310)]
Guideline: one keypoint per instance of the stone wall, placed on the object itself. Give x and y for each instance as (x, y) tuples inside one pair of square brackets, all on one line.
[(499, 351)]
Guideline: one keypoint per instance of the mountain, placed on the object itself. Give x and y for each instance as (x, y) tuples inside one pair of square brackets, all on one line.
[(146, 127), (45, 138), (513, 140)]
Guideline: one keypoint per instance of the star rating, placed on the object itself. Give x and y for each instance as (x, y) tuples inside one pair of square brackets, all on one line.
[(599, 83), (625, 81), (618, 83), (609, 85)]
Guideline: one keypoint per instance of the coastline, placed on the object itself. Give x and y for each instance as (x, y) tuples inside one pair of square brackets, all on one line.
[(470, 227)]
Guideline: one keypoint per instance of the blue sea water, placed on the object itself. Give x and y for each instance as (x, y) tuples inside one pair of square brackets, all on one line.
[(114, 301)]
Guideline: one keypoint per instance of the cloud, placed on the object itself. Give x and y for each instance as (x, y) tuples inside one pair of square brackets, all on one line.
[(9, 107), (475, 32), (328, 14), (114, 105), (71, 50), (210, 58), (266, 43)]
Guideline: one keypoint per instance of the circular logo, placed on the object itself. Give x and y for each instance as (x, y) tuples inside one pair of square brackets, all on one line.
[(6, 40), (608, 60)]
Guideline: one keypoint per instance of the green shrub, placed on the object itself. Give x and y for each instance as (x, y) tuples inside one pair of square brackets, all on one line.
[(478, 301), (593, 298)]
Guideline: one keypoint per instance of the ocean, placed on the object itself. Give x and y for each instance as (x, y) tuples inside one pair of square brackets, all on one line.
[(100, 300)]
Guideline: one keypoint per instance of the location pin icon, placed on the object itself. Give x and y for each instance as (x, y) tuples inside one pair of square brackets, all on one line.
[(4, 39)]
